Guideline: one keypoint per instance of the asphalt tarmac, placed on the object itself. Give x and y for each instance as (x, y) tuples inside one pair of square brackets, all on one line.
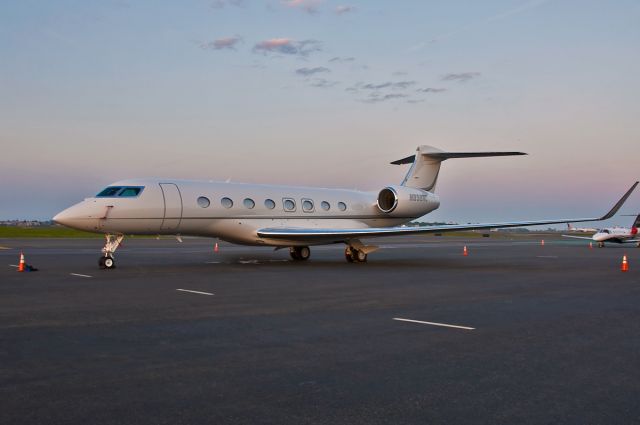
[(513, 333)]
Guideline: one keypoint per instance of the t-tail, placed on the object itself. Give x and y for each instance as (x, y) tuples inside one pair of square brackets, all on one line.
[(425, 167)]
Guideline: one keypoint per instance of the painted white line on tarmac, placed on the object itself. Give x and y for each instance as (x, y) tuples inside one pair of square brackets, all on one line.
[(194, 292), (80, 275), (546, 256), (13, 265), (434, 324), (213, 262)]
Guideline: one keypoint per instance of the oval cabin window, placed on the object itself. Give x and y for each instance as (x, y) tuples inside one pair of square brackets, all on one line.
[(226, 202), (203, 202)]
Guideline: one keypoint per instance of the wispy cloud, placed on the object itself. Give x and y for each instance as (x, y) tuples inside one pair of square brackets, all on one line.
[(322, 83), (220, 4), (309, 6), (430, 90), (222, 43), (287, 46), (388, 85), (377, 97), (340, 59), (500, 16), (462, 77), (306, 72), (341, 10)]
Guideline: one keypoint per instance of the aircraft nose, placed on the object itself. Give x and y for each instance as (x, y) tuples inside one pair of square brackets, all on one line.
[(65, 217), (75, 217)]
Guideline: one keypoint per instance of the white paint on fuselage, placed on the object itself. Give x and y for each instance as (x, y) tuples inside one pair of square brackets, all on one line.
[(145, 214), (613, 233)]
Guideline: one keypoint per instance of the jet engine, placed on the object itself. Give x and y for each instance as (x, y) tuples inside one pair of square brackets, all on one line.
[(402, 201)]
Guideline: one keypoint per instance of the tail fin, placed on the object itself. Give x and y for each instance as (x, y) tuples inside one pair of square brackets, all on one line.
[(636, 224), (425, 167)]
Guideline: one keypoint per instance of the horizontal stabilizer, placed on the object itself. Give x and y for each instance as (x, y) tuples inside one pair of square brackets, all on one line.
[(448, 155), (425, 165)]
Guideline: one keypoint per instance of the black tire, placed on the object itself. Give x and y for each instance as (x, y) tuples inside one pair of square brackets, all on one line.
[(300, 253), (108, 262), (101, 263), (304, 253), (347, 255), (294, 254)]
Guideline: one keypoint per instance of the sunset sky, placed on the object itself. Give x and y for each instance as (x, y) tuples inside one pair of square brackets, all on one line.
[(323, 93)]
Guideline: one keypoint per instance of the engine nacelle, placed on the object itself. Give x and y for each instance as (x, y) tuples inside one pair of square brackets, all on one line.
[(402, 201)]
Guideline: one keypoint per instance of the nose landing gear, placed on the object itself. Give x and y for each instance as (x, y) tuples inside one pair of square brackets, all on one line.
[(112, 242)]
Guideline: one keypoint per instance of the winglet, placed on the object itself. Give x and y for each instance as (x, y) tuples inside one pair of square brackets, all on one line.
[(617, 206)]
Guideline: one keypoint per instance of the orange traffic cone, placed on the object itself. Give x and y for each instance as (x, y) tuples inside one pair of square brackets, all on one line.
[(590, 245), (215, 248), (464, 251), (21, 264), (625, 265), (542, 242)]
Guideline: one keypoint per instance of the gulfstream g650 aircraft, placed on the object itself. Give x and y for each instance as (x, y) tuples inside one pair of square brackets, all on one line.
[(279, 216)]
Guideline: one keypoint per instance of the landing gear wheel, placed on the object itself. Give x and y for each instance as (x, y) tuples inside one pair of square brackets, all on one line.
[(348, 255), (361, 256), (107, 262), (355, 255), (600, 244), (300, 253)]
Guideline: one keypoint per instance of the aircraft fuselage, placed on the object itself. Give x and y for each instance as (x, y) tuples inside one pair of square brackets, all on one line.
[(235, 211)]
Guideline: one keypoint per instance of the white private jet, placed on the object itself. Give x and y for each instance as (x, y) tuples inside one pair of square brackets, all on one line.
[(570, 228), (619, 235), (278, 216)]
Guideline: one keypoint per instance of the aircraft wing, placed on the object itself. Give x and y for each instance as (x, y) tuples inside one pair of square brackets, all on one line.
[(577, 237), (341, 235), (631, 241)]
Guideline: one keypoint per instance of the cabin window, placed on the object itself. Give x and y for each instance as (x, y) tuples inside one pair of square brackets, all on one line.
[(342, 206), (307, 205), (130, 192), (226, 202), (325, 205), (289, 204), (203, 202), (248, 203), (269, 203), (110, 191), (120, 191)]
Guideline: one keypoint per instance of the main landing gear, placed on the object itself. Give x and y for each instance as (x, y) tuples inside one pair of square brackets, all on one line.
[(111, 244), (300, 253), (600, 244), (354, 255)]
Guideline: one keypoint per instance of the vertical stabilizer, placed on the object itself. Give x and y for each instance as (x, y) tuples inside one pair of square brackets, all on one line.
[(425, 167)]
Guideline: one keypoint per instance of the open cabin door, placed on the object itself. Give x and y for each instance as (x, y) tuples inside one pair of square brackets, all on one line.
[(172, 207)]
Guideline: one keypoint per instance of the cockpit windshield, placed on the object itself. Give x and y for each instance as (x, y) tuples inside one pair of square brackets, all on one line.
[(604, 231), (120, 191)]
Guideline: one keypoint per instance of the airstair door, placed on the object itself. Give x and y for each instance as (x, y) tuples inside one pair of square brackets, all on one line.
[(172, 207)]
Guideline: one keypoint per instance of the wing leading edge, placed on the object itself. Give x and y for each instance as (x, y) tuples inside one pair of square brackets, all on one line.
[(339, 235)]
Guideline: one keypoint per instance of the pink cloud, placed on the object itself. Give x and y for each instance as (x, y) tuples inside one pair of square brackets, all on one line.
[(309, 6), (222, 43), (287, 46)]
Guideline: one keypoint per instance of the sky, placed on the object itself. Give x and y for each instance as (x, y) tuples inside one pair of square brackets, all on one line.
[(323, 93)]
